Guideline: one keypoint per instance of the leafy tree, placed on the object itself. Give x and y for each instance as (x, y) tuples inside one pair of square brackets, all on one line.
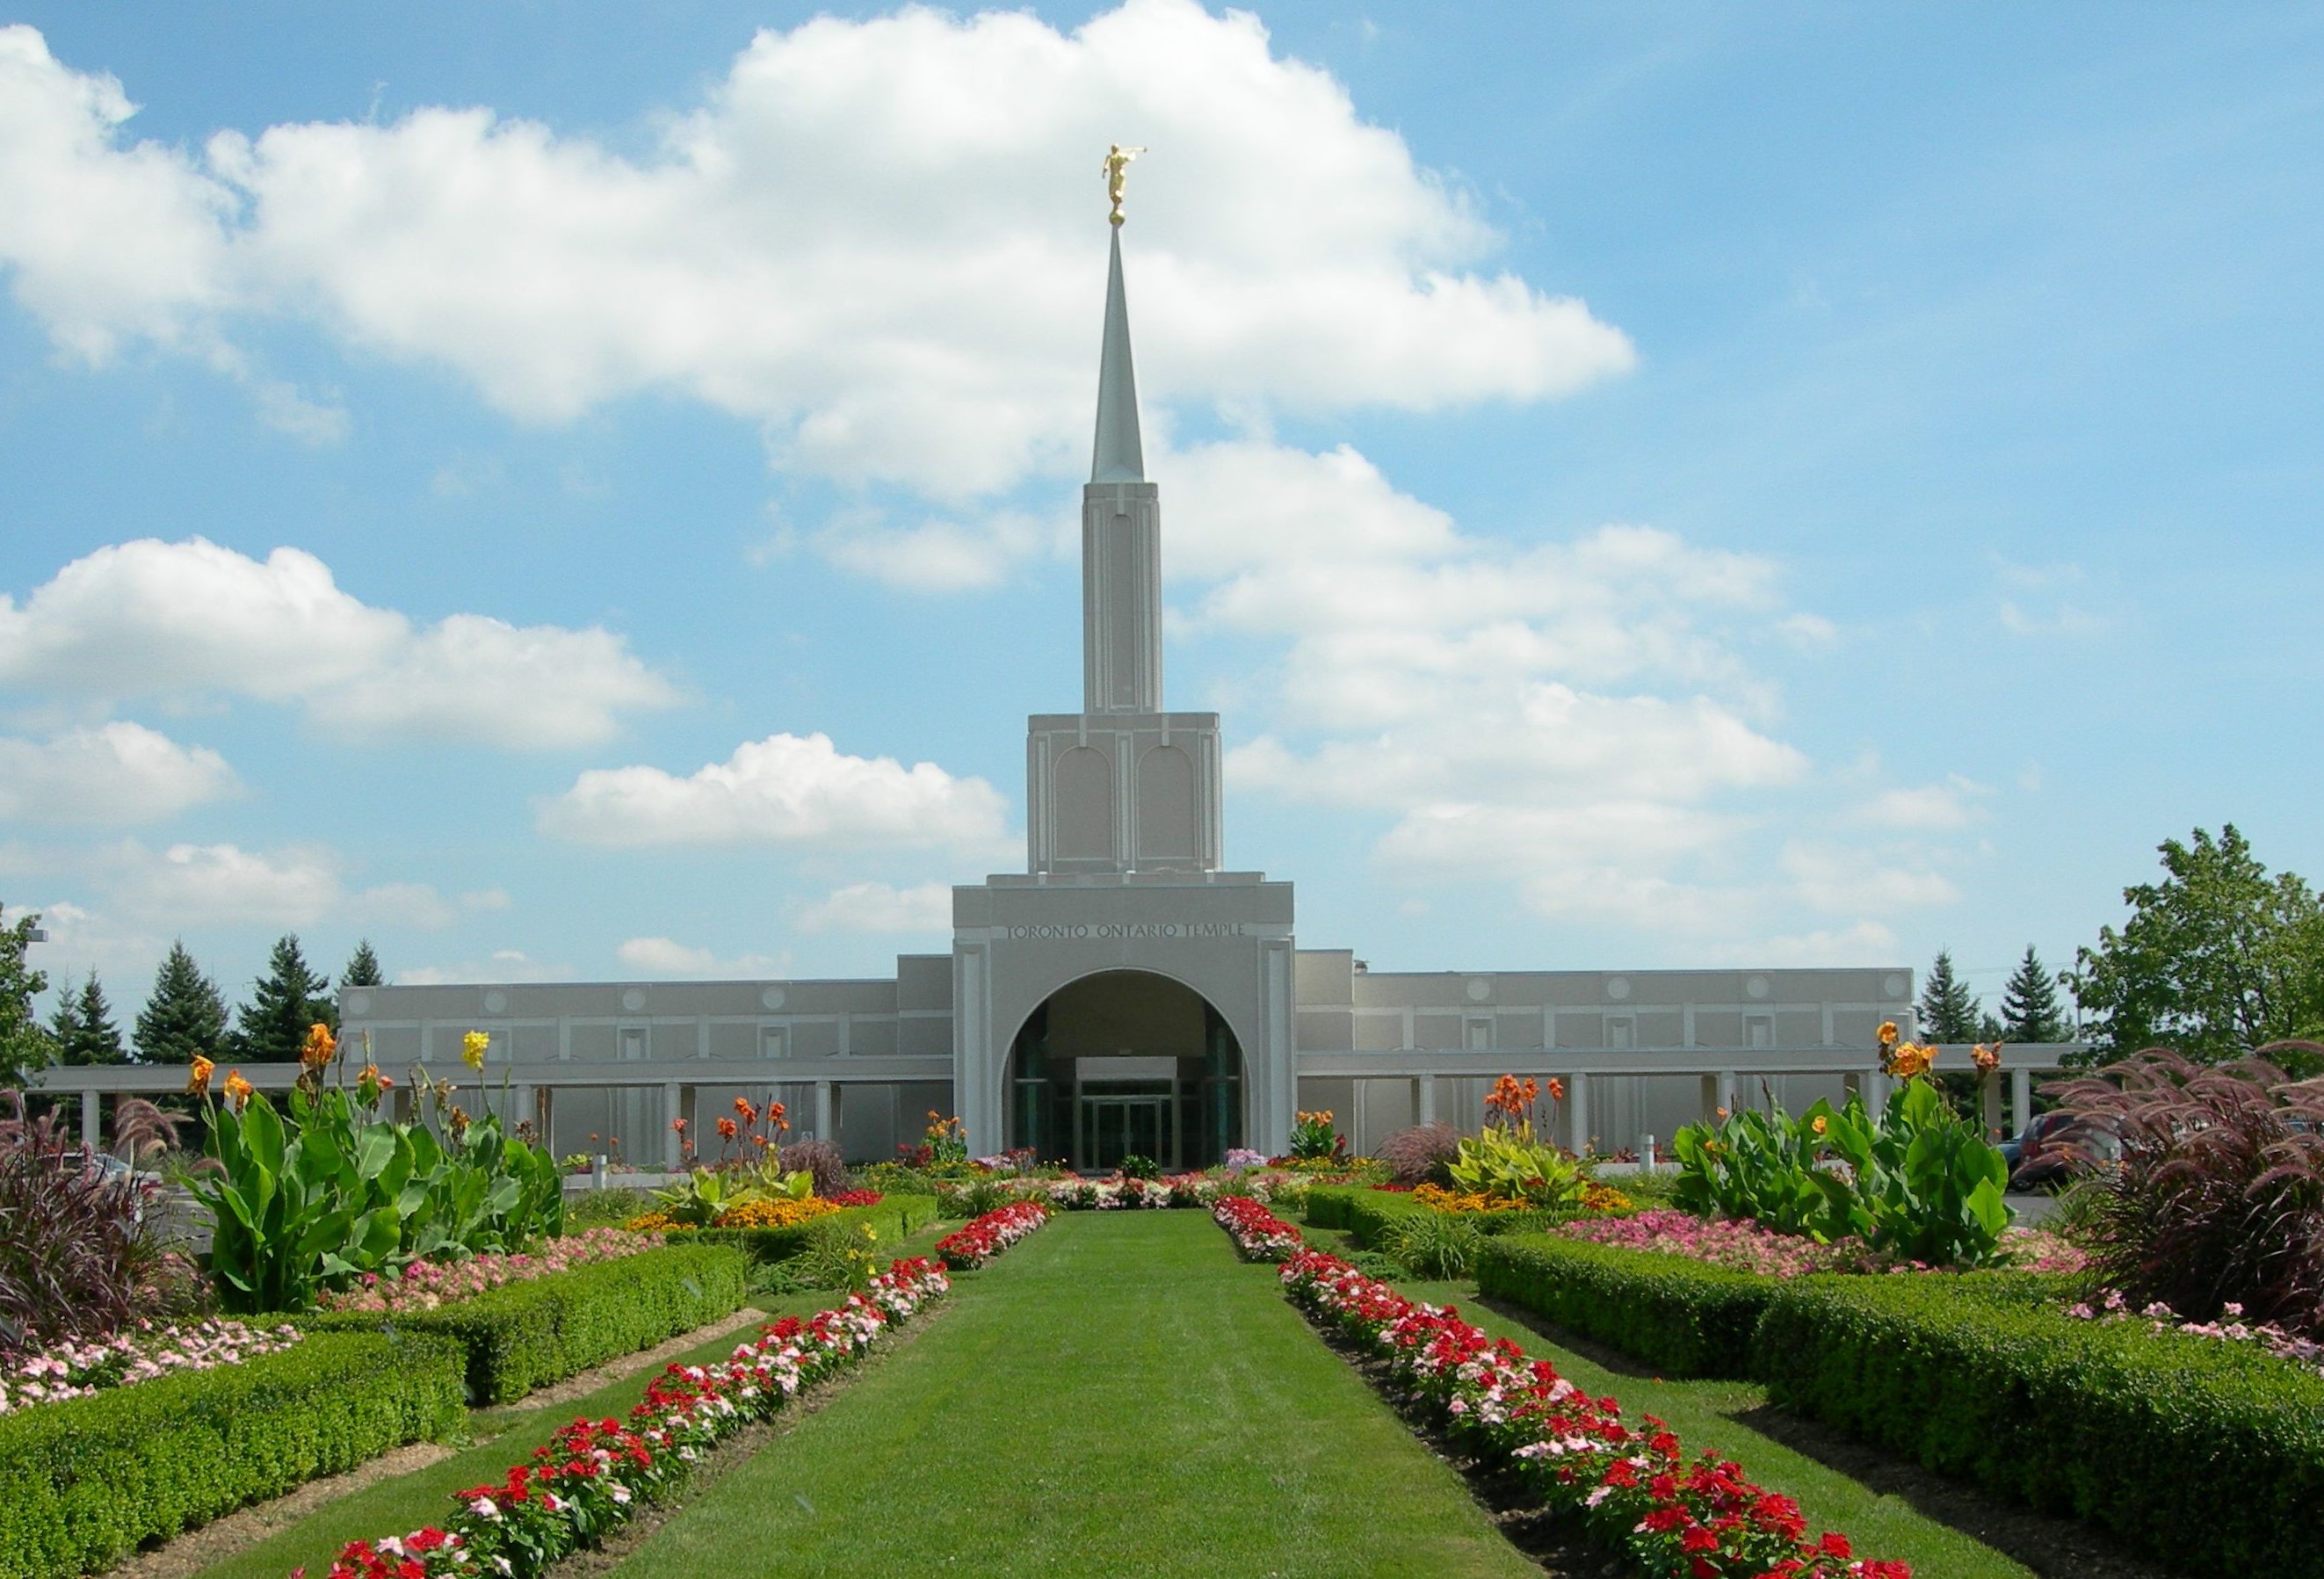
[(185, 1019), (1949, 1011), (94, 1038), (2216, 959), (24, 1044), (363, 968), (283, 1003), (2030, 1009)]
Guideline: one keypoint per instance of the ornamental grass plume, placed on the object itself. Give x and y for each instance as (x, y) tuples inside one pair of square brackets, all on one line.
[(2219, 1198), (1420, 1153)]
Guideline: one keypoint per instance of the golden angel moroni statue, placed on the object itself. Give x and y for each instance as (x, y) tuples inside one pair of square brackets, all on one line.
[(1117, 169)]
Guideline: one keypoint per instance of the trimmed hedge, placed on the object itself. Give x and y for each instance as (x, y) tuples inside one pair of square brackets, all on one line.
[(89, 1479), (1359, 1209), (893, 1218), (1685, 1317), (526, 1335), (2206, 1454)]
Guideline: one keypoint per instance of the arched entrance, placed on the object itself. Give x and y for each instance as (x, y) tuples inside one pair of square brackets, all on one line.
[(1125, 1063)]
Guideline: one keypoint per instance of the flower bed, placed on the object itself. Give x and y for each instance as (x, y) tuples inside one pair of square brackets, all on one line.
[(980, 1239), (1746, 1247), (1258, 1233), (429, 1285), (1631, 1486), (72, 1369), (593, 1475)]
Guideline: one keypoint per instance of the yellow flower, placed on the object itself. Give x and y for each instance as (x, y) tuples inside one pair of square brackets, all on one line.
[(239, 1090), (198, 1083), (1821, 1124), (1987, 1058), (473, 1047), (1887, 1034)]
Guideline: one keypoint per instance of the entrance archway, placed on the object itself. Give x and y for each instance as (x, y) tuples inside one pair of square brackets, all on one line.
[(1125, 1063)]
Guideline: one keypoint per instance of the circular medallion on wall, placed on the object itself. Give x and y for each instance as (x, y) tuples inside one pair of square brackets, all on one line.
[(633, 999), (1893, 986), (1617, 988), (772, 997), (1755, 986), (1480, 989), (358, 1002), (495, 1002)]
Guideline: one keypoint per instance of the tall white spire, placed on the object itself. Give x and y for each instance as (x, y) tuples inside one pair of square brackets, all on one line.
[(1119, 456)]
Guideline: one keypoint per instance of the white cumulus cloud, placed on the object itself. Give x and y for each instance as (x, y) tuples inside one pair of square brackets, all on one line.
[(785, 790), (880, 906), (877, 239), (109, 774), (665, 957), (148, 618)]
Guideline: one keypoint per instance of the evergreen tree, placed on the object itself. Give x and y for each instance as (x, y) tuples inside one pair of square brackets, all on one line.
[(1949, 1011), (363, 969), (25, 1043), (185, 1019), (95, 1039), (2030, 1011), (283, 1003)]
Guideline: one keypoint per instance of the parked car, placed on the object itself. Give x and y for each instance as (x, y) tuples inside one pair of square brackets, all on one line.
[(2014, 1147), (2049, 1153)]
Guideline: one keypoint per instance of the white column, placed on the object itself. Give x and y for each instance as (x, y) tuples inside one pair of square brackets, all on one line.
[(826, 1121), (92, 1120), (669, 1105), (2021, 1098), (1727, 1089), (1875, 1086), (1577, 1094), (1425, 1098)]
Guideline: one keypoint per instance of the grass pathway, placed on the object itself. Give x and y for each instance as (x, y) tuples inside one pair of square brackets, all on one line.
[(1117, 1395)]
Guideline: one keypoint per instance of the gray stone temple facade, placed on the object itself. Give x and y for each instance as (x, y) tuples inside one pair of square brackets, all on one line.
[(1129, 993)]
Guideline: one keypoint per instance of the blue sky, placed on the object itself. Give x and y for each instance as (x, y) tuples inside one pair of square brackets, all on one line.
[(1644, 486)]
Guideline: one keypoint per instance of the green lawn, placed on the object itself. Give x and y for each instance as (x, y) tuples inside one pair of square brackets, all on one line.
[(1117, 1395), (1703, 1415)]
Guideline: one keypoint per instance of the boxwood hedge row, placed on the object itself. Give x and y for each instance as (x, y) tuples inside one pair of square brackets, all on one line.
[(2206, 1454), (526, 1335), (1685, 1317), (86, 1482), (1359, 1209)]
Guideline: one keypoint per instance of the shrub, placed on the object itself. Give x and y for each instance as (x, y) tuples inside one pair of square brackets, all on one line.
[(1685, 1317), (2219, 1196), (527, 1336), (91, 1480), (1420, 1154), (79, 1256), (819, 1159), (1369, 1215), (2207, 1455), (1435, 1245)]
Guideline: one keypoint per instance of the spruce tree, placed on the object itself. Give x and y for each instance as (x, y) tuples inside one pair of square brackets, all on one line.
[(185, 1019), (2030, 1011), (1949, 1011), (363, 968), (95, 1039), (64, 1022), (283, 1003)]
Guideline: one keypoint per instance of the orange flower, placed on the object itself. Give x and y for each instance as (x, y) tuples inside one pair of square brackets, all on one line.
[(1987, 1058), (197, 1083), (1821, 1124), (1556, 1089), (775, 1111), (322, 1047), (678, 1124), (749, 1114), (1887, 1034), (238, 1091), (726, 1129)]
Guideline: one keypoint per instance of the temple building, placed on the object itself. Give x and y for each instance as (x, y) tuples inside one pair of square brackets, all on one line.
[(1129, 991)]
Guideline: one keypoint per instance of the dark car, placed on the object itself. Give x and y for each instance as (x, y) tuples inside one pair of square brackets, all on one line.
[(2057, 1146)]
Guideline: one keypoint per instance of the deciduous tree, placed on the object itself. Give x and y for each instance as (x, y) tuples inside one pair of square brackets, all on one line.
[(2216, 959), (25, 1044)]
